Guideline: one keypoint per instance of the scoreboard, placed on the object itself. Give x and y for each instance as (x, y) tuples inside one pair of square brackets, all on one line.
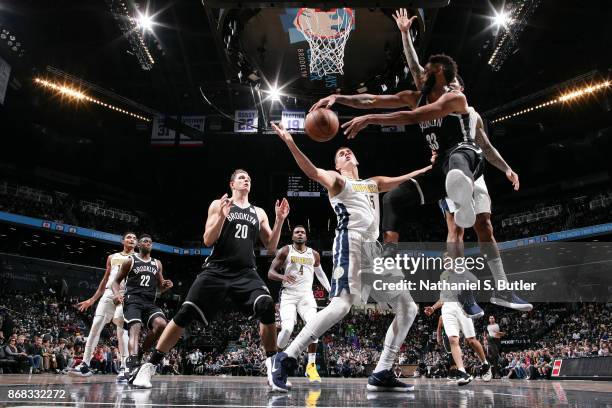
[(302, 186)]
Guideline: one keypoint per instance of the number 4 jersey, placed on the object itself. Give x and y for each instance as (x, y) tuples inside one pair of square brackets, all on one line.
[(235, 246), (141, 280)]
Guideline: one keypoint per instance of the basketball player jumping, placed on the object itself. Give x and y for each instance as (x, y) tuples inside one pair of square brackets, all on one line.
[(482, 201), (143, 276), (233, 225), (355, 203), (300, 264), (455, 322), (107, 310)]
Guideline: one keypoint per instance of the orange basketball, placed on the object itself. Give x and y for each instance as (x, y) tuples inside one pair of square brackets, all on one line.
[(321, 125)]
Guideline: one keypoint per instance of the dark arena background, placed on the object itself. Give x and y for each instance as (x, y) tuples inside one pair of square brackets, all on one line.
[(124, 116)]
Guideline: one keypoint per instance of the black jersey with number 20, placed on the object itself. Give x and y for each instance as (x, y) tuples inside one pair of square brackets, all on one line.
[(141, 280), (235, 246)]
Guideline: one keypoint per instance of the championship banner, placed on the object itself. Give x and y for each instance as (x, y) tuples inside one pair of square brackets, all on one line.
[(162, 135), (293, 120), (247, 121)]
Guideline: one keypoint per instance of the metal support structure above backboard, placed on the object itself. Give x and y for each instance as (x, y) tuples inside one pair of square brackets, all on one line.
[(328, 4)]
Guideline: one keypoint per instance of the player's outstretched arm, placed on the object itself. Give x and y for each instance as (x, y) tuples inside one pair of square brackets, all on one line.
[(404, 23), (439, 330), (328, 179), (274, 273), (121, 275), (389, 183), (369, 101), (448, 103), (86, 304), (270, 236), (217, 212), (493, 156), (162, 284), (320, 273)]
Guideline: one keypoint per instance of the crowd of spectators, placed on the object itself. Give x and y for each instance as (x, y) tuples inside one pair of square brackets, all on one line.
[(44, 332)]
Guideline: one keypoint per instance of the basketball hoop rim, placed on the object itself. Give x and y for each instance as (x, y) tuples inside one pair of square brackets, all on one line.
[(311, 34)]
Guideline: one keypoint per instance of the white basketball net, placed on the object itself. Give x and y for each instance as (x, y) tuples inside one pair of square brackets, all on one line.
[(327, 33)]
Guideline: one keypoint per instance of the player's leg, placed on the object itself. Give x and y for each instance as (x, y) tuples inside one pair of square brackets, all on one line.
[(461, 166), (395, 205), (122, 343), (451, 317), (467, 328), (201, 303), (489, 248), (307, 309), (156, 323), (454, 233), (104, 313), (382, 378), (288, 315)]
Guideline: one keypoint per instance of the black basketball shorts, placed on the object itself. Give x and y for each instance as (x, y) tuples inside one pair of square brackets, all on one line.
[(137, 309)]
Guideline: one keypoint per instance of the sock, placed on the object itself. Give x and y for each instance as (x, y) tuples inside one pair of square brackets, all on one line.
[(462, 369), (312, 357), (157, 357), (387, 357), (497, 270), (270, 353)]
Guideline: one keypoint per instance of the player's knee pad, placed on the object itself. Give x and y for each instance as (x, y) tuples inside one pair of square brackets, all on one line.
[(263, 309), (185, 315)]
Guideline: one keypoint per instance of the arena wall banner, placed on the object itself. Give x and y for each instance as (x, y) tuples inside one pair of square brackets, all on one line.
[(246, 121), (164, 136), (293, 120), (583, 368), (94, 234)]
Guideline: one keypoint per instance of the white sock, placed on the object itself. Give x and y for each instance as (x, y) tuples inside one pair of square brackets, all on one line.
[(312, 358), (497, 269), (387, 357), (321, 322), (462, 369)]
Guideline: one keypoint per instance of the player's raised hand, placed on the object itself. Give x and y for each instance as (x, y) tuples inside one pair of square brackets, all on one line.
[(429, 310), (167, 284), (401, 19), (326, 102), (281, 209), (514, 179), (225, 204), (354, 126), (84, 305), (282, 132)]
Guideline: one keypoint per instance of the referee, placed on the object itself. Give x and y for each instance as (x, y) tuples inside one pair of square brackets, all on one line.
[(494, 340)]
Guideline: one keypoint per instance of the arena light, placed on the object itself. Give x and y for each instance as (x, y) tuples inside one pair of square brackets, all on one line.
[(133, 30), (80, 96), (274, 94), (145, 21), (502, 19), (565, 97)]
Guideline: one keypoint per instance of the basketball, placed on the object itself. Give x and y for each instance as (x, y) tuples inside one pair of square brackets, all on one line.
[(321, 125)]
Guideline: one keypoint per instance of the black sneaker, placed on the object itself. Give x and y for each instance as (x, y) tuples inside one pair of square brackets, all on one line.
[(82, 370), (507, 298), (385, 380), (463, 378)]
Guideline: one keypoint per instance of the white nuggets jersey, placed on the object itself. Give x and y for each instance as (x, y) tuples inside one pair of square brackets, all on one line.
[(357, 208), (116, 260), (301, 266)]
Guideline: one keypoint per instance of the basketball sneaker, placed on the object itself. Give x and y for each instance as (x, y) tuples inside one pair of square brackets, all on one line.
[(268, 370), (312, 373), (123, 375), (144, 375), (485, 372), (279, 367), (470, 308), (385, 380), (82, 370), (460, 189), (507, 298), (463, 378)]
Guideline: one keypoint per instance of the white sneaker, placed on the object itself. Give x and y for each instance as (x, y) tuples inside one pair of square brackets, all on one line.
[(123, 375), (460, 189), (143, 378)]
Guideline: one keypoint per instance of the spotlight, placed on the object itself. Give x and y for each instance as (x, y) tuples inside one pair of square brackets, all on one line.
[(145, 22), (502, 19), (274, 93)]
